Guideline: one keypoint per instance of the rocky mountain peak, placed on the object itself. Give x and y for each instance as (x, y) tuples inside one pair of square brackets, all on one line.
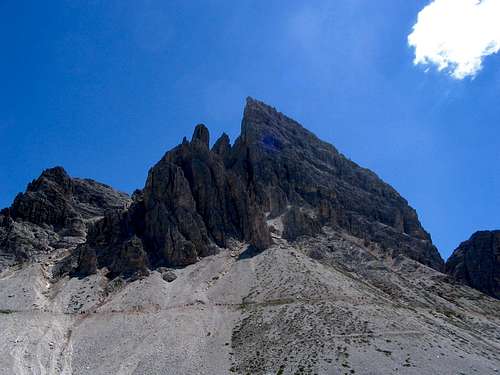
[(54, 198), (222, 146), (196, 199), (290, 166), (46, 200), (55, 176), (263, 123), (53, 215), (201, 135)]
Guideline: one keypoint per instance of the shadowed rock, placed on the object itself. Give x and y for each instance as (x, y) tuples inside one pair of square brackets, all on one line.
[(201, 135), (53, 214), (55, 198), (297, 223), (284, 164), (476, 262), (222, 146), (194, 202)]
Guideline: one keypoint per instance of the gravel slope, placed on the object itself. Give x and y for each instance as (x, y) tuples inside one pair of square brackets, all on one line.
[(276, 312)]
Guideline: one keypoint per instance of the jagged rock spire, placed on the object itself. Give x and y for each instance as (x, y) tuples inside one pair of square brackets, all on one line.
[(201, 134), (222, 146)]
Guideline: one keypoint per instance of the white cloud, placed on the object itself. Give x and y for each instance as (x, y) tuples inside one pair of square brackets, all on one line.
[(455, 35)]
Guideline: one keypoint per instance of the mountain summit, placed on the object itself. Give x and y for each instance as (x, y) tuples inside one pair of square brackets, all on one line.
[(196, 198), (274, 254)]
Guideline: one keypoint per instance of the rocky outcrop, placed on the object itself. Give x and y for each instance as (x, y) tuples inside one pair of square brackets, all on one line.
[(190, 205), (53, 214), (112, 243), (47, 199), (56, 199), (476, 262), (20, 241), (297, 223)]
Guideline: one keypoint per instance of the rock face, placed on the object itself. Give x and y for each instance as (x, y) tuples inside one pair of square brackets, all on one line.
[(476, 262), (288, 166), (196, 198), (56, 199), (191, 204), (53, 213), (297, 223)]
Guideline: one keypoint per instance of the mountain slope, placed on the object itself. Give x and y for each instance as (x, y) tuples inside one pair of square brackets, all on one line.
[(326, 306)]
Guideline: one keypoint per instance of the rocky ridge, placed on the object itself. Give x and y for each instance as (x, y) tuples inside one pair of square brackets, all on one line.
[(196, 198), (53, 215)]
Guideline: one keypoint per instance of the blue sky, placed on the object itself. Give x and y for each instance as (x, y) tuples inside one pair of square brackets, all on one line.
[(104, 88)]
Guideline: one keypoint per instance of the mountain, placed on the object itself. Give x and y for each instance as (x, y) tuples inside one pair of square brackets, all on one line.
[(53, 214), (196, 198), (271, 255), (476, 262)]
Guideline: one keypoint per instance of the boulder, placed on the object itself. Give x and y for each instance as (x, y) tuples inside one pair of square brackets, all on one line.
[(169, 276)]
